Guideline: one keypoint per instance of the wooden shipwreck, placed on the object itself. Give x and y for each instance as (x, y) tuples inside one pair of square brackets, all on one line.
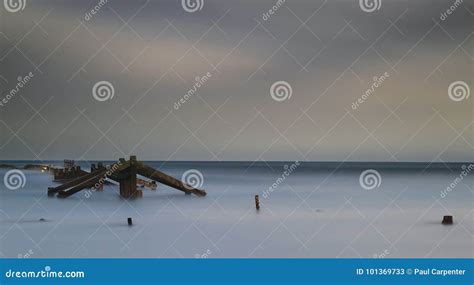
[(69, 172), (125, 173)]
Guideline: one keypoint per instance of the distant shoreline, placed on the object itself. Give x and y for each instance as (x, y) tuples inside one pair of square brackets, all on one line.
[(5, 164)]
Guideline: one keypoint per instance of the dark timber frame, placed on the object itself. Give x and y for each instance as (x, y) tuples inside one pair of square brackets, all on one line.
[(126, 175)]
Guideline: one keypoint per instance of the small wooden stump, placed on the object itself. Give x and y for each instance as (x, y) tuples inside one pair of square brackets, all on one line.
[(257, 202), (51, 192), (447, 220), (129, 220)]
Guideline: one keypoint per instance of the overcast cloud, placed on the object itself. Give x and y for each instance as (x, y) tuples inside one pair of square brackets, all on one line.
[(152, 52)]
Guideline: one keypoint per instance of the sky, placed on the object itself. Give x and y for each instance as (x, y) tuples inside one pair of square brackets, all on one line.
[(147, 56)]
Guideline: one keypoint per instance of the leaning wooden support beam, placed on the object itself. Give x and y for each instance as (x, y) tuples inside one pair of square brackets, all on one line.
[(161, 177), (72, 183), (101, 171), (85, 184)]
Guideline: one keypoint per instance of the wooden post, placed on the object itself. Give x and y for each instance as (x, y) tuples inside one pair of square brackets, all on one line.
[(134, 192), (447, 220), (257, 202), (128, 185)]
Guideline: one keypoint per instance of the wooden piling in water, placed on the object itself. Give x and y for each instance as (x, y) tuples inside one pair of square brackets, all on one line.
[(128, 184), (257, 202), (447, 220)]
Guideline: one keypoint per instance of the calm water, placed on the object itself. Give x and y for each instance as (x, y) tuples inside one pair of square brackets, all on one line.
[(317, 210)]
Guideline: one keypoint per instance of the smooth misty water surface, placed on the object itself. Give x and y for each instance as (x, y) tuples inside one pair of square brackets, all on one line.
[(315, 212)]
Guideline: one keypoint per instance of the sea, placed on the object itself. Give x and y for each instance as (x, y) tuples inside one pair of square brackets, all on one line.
[(306, 210)]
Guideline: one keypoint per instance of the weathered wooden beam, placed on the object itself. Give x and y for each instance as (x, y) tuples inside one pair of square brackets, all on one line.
[(126, 175), (72, 183), (161, 177), (100, 172), (85, 184)]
